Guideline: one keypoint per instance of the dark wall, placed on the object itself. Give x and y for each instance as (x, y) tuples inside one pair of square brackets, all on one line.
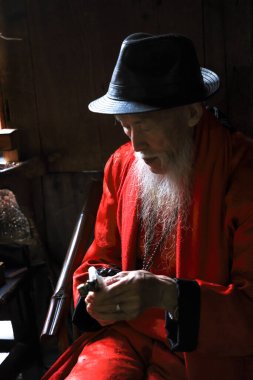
[(65, 59)]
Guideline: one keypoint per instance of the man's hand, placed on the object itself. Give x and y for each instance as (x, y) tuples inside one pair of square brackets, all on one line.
[(128, 294)]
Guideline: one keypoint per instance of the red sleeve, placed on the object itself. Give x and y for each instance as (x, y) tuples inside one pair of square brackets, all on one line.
[(226, 319), (105, 251)]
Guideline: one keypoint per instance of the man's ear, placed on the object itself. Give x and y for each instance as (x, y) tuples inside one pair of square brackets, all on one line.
[(195, 113)]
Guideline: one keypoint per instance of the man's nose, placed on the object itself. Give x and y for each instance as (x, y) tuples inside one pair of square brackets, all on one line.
[(138, 140)]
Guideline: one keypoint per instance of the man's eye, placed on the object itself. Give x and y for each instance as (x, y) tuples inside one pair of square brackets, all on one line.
[(117, 122)]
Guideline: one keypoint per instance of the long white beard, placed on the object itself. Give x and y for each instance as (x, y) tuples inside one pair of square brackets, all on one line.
[(163, 196)]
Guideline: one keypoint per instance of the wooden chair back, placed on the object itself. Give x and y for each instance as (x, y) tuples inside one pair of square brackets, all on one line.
[(55, 327)]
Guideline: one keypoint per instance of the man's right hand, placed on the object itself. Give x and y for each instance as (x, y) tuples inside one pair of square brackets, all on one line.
[(89, 300)]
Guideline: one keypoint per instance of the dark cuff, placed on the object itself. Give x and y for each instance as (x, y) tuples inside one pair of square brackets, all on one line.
[(183, 332), (82, 319)]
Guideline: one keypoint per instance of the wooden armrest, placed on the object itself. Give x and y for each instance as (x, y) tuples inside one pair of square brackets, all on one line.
[(81, 239)]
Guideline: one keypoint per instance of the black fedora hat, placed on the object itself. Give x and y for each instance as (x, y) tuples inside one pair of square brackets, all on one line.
[(155, 72)]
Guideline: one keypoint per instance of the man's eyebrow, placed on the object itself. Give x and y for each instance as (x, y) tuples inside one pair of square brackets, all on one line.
[(134, 122)]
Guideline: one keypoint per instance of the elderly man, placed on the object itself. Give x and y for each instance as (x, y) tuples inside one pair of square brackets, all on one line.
[(174, 230)]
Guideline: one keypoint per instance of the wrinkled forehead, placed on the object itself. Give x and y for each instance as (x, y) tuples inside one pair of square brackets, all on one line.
[(141, 116), (155, 116), (134, 118)]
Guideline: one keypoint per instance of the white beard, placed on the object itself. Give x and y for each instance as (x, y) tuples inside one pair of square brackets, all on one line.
[(163, 196)]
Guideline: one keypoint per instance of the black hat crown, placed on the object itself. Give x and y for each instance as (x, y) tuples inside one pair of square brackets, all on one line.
[(154, 72)]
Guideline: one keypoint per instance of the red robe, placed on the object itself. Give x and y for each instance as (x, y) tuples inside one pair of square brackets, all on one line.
[(216, 251)]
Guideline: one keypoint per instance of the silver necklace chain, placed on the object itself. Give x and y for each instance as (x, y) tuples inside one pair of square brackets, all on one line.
[(148, 258)]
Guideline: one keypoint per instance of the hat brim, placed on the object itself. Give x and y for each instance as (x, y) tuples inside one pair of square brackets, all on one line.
[(107, 105)]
